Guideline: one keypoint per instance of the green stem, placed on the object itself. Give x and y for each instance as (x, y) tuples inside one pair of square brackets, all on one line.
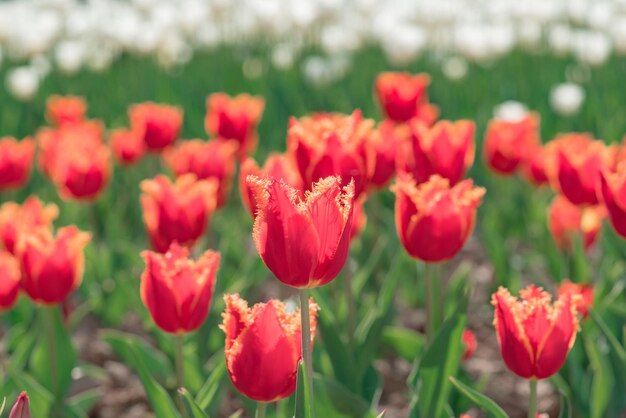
[(434, 305), (351, 305), (49, 313), (260, 410), (180, 376), (532, 401), (306, 342)]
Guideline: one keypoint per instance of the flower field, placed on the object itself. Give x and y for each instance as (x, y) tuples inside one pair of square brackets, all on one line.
[(456, 225)]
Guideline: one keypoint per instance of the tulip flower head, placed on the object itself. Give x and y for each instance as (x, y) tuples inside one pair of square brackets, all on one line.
[(304, 242), (533, 165), (52, 266), (21, 408), (612, 192), (584, 290), (263, 347), (127, 145), (433, 219), (214, 159), (507, 142), (403, 96), (447, 149), (534, 334), (18, 219), (178, 290), (16, 160), (9, 280), (384, 142), (177, 212), (159, 125), (566, 220), (469, 343), (235, 118), (62, 110)]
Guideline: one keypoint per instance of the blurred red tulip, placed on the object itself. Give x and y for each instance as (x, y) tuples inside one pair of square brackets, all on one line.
[(52, 267), (446, 149), (16, 160), (303, 242), (177, 212), (127, 145), (178, 290), (508, 142), (207, 160), (584, 290), (62, 110), (533, 166), (566, 220), (433, 219), (326, 145), (16, 220), (9, 280), (612, 193), (385, 142), (277, 166), (359, 218), (534, 334), (263, 347), (469, 343), (21, 408), (235, 118), (403, 96), (158, 124)]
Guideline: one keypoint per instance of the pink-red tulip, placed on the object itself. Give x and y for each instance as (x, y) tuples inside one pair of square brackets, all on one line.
[(16, 160), (403, 96), (533, 166), (10, 277), (612, 193), (385, 142), (127, 145), (509, 142), (583, 290), (469, 343), (18, 219), (566, 221), (21, 408), (62, 110), (158, 124)]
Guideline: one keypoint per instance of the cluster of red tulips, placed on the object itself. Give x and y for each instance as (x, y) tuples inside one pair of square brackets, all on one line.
[(307, 206)]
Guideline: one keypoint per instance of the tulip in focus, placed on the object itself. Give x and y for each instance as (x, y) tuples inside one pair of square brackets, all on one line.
[(214, 159), (52, 266), (235, 118), (469, 343), (263, 347), (447, 149), (177, 212), (158, 124), (16, 160), (584, 290), (61, 110), (304, 242), (508, 142), (566, 220), (9, 280), (534, 334), (612, 192), (433, 219), (21, 408), (403, 96), (127, 145), (178, 290), (16, 220), (324, 145)]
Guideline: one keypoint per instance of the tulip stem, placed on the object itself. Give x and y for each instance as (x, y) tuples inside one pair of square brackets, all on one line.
[(306, 342), (180, 376), (532, 401), (351, 306), (49, 313), (260, 410), (434, 314)]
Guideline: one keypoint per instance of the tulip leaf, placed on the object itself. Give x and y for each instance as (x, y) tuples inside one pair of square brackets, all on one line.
[(83, 401), (207, 398), (303, 404), (617, 347), (602, 379), (41, 400), (404, 342), (565, 406), (491, 408), (332, 399), (194, 411)]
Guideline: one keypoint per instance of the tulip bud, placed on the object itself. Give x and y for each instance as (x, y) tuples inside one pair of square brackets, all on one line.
[(303, 242), (566, 220), (16, 160), (9, 280), (52, 267), (403, 96), (446, 149), (21, 408), (584, 290), (263, 347), (534, 334), (469, 343), (235, 118), (433, 220), (16, 220), (507, 142), (177, 212), (177, 290), (61, 110), (214, 159), (158, 125), (127, 145)]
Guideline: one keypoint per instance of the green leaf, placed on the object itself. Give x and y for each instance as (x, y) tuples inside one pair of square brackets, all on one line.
[(332, 399), (192, 407), (303, 404), (207, 398), (565, 406), (83, 401), (618, 349), (491, 408), (404, 342), (41, 400), (602, 382)]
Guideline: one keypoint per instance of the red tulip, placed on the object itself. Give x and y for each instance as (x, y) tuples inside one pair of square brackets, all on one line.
[(62, 110), (534, 334), (403, 96), (446, 149), (469, 342), (16, 220), (507, 143), (433, 220), (9, 280), (176, 289), (16, 160), (612, 193), (326, 145), (583, 290), (384, 142), (127, 145), (303, 242), (207, 160), (52, 267), (21, 408), (177, 212), (566, 220), (263, 347), (235, 118), (534, 165), (159, 125)]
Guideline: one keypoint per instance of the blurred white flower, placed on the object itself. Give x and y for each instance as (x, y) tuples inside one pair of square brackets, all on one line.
[(454, 68), (404, 43), (592, 47), (69, 56), (42, 64), (510, 110), (560, 39), (23, 82), (283, 56), (567, 98)]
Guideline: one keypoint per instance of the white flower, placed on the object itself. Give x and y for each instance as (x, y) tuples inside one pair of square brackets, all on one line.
[(455, 68), (567, 98), (69, 56), (23, 82), (510, 110)]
